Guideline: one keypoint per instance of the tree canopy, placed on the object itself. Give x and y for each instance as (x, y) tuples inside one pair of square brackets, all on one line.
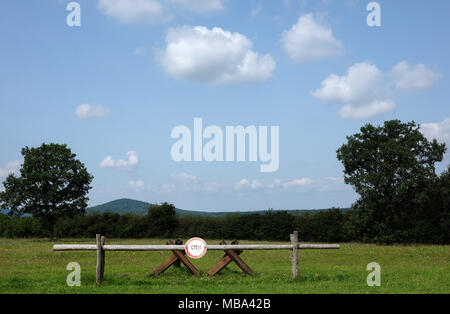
[(392, 168), (52, 184)]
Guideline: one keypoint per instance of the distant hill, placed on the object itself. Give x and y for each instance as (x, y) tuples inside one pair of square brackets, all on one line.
[(121, 206), (129, 206)]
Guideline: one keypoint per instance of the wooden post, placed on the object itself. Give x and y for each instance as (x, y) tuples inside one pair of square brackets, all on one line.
[(177, 263), (103, 238), (100, 260), (294, 254)]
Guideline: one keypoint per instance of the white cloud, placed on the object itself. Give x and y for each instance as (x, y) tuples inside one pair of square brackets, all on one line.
[(366, 92), (130, 164), (367, 111), (136, 184), (308, 184), (308, 40), (214, 56), (200, 6), (414, 78), (10, 167), (298, 182), (439, 131), (362, 83), (363, 91), (87, 111), (184, 176), (126, 11), (245, 185), (187, 182)]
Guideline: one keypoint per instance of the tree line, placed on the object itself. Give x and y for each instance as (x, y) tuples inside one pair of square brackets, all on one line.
[(333, 225), (391, 167)]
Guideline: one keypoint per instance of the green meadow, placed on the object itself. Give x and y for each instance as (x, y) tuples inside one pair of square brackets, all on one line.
[(30, 266)]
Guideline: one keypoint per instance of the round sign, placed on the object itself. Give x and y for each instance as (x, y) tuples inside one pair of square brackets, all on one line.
[(196, 248)]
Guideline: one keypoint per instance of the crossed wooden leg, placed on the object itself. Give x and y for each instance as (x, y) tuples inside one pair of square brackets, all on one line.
[(174, 260), (230, 256)]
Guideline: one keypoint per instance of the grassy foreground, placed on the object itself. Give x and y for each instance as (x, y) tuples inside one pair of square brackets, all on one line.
[(30, 266)]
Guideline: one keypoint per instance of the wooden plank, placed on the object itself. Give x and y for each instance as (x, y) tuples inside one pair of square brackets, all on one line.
[(165, 265), (294, 254), (220, 265), (74, 247), (187, 263), (172, 260), (88, 247), (242, 265), (177, 256), (177, 263)]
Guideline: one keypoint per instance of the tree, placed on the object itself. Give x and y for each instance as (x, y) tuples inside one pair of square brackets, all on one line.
[(162, 220), (52, 184), (438, 215), (390, 166)]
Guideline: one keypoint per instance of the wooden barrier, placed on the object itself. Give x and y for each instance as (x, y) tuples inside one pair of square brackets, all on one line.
[(231, 256), (232, 253), (176, 258)]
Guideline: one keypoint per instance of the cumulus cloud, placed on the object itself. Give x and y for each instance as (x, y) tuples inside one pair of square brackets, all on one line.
[(130, 164), (307, 184), (308, 40), (362, 83), (245, 185), (87, 111), (366, 92), (10, 167), (367, 111), (439, 131), (136, 184), (298, 182), (126, 11), (184, 176), (214, 56), (416, 78), (187, 182), (200, 6)]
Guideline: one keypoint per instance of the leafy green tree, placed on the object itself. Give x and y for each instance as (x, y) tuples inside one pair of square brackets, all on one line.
[(437, 217), (444, 197), (162, 220), (52, 184), (390, 167)]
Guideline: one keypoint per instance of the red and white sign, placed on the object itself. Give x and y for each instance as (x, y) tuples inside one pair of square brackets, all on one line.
[(196, 248)]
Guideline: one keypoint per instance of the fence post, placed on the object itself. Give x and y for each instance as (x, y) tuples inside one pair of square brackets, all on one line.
[(294, 254), (100, 259), (103, 238)]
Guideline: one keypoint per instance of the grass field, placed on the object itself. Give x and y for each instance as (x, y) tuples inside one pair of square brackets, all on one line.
[(30, 266)]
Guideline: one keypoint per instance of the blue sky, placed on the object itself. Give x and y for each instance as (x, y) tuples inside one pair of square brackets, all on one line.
[(117, 85)]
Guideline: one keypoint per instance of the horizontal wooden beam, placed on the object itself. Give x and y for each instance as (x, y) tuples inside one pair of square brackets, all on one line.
[(89, 247)]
